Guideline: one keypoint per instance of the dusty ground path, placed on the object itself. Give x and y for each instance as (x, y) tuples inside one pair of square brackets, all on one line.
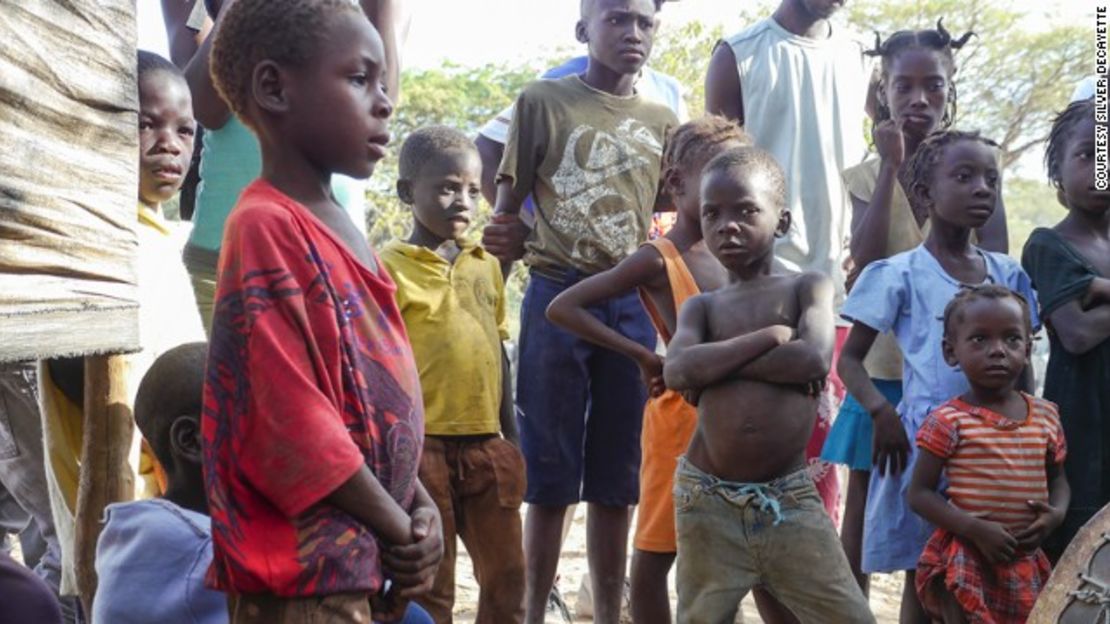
[(886, 589)]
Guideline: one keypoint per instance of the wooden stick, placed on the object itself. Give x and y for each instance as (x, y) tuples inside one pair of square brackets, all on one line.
[(105, 474)]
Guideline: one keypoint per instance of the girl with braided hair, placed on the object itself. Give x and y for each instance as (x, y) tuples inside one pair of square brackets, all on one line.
[(954, 176), (915, 97), (1070, 265)]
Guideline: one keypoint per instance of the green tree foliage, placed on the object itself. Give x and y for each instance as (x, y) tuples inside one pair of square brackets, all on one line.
[(1029, 204), (683, 52), (1012, 76)]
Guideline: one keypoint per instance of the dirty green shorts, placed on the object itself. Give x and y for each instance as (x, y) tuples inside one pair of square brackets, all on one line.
[(777, 535)]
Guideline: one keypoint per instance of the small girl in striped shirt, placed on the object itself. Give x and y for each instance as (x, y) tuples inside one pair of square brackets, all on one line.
[(1002, 453)]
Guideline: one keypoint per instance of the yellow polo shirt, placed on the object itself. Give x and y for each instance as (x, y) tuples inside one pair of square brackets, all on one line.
[(455, 317)]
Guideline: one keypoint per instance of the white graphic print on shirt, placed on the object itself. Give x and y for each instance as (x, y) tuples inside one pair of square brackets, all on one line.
[(579, 187)]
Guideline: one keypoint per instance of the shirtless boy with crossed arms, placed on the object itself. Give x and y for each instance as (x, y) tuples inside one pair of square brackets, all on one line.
[(747, 511)]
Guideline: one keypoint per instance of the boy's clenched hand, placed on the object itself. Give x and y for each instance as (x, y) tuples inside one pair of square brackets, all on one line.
[(504, 237), (413, 566)]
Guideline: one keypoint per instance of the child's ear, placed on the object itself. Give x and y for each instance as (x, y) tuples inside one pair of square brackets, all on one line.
[(949, 352), (785, 219), (880, 95), (268, 87), (673, 182), (404, 191), (580, 32), (185, 438), (921, 194)]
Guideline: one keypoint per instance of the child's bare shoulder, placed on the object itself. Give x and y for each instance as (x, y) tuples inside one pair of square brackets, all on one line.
[(706, 299), (697, 305), (647, 254), (643, 268), (813, 292), (813, 283)]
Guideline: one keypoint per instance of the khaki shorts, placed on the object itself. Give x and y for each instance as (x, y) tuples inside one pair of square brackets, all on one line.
[(735, 536)]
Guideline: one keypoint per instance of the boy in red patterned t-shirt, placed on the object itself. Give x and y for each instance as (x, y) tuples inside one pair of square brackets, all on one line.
[(312, 418)]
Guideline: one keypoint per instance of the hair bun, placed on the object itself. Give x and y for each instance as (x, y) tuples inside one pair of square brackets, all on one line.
[(946, 37), (878, 49)]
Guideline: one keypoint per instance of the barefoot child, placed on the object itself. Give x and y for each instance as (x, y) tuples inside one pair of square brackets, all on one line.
[(667, 271), (313, 418), (915, 97), (1070, 266), (954, 175), (588, 149), (1001, 451), (747, 511), (452, 298)]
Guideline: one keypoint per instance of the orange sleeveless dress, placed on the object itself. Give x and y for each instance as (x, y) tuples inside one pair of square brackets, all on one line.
[(669, 423)]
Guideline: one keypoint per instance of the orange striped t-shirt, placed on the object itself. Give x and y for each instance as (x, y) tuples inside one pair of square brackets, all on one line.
[(993, 464)]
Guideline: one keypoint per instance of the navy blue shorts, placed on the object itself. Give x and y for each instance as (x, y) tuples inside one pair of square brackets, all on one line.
[(580, 406)]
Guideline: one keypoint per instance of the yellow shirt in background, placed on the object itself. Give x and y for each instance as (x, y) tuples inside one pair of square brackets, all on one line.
[(455, 317)]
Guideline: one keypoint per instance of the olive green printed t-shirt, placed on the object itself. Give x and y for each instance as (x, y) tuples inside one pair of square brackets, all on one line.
[(592, 162)]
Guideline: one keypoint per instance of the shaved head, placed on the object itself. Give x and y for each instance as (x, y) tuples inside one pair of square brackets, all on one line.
[(586, 7), (755, 162)]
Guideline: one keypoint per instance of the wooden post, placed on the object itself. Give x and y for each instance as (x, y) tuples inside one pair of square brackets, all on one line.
[(105, 474)]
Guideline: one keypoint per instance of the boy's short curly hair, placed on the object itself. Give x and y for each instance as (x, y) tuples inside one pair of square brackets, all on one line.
[(424, 144), (694, 138), (751, 158), (288, 32)]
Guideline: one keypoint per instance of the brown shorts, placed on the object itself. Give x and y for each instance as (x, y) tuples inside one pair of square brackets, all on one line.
[(478, 483)]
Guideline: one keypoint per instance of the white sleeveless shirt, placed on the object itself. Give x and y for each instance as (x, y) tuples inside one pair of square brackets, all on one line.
[(804, 102)]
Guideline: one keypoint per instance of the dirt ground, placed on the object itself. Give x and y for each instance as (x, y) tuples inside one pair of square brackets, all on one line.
[(886, 589)]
